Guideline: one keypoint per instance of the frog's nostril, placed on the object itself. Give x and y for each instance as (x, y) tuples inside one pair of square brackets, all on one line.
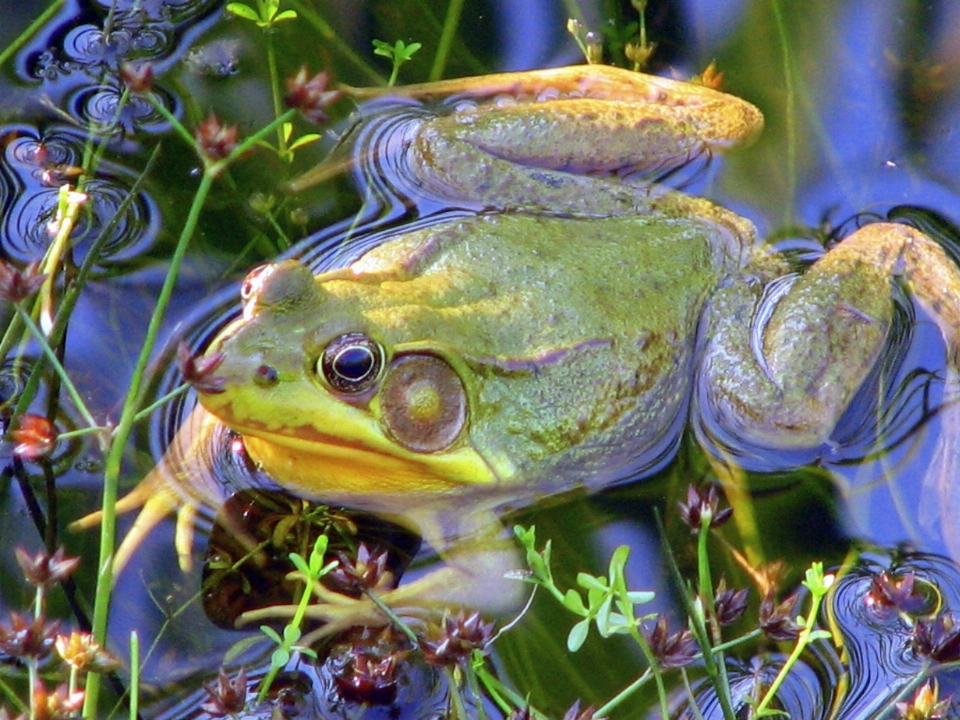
[(265, 376)]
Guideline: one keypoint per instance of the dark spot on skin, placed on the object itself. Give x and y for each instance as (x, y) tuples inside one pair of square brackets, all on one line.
[(548, 180)]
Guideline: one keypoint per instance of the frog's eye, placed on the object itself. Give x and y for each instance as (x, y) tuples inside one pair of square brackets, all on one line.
[(351, 363)]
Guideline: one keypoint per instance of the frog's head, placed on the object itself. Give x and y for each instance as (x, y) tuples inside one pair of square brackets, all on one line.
[(332, 407)]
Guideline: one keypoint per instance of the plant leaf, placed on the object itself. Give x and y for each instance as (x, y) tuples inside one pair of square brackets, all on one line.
[(280, 657), (588, 581), (578, 635), (640, 597), (244, 11), (574, 603), (304, 140), (271, 633)]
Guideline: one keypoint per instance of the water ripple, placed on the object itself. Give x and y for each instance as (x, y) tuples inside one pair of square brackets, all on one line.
[(98, 107), (32, 167)]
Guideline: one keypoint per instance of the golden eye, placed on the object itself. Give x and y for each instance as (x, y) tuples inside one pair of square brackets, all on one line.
[(351, 363)]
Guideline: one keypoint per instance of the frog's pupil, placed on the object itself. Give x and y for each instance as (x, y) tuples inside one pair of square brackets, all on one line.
[(353, 363)]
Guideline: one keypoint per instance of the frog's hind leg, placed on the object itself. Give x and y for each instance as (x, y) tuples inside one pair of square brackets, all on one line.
[(783, 360)]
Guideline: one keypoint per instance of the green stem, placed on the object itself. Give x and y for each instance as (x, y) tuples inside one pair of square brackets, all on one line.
[(10, 336), (798, 649), (450, 24), (38, 602), (504, 697), (33, 679), (134, 675), (790, 111), (114, 458), (161, 401), (21, 39), (275, 93), (714, 661), (175, 123), (627, 692), (57, 366), (394, 618), (752, 635)]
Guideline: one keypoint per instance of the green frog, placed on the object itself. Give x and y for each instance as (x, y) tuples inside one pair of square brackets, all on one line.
[(554, 339)]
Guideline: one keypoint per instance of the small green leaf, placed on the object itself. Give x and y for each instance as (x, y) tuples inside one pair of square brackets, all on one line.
[(304, 140), (405, 52), (316, 555), (526, 536), (280, 657), (574, 603), (382, 48), (240, 648), (291, 634), (299, 563), (578, 635), (271, 633), (596, 596), (243, 11), (590, 582), (640, 597), (603, 617), (286, 15), (620, 623), (618, 561)]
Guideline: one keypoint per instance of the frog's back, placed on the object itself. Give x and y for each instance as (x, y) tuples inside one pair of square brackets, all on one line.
[(578, 333)]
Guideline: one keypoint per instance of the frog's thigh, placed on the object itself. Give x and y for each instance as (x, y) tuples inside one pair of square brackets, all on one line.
[(780, 369)]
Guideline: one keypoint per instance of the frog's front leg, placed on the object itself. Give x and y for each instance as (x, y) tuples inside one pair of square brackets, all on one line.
[(783, 359), (473, 574), (181, 483)]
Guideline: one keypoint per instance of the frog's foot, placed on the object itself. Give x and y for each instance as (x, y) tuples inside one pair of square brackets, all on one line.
[(180, 483), (472, 577), (338, 613), (156, 502)]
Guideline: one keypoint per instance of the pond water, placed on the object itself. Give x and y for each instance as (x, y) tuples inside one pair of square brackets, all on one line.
[(861, 109)]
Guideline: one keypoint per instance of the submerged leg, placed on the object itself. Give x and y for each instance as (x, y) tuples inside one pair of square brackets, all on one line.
[(783, 361), (180, 483), (474, 572)]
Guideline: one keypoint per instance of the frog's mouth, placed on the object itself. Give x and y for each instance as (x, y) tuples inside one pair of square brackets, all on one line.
[(343, 469)]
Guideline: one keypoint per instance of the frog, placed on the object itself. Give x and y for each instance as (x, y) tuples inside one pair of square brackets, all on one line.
[(558, 338)]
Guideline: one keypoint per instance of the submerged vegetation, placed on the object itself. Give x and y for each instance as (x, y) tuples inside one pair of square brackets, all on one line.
[(738, 632)]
